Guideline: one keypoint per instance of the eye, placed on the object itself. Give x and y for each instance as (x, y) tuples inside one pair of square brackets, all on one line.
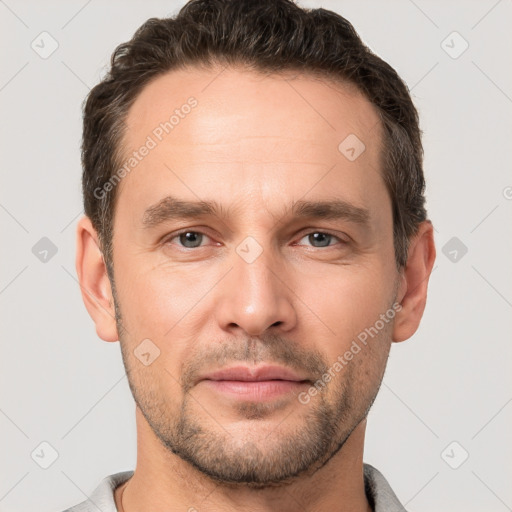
[(322, 239), (188, 239)]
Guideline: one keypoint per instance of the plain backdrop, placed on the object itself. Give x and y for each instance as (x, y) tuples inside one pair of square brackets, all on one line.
[(438, 429)]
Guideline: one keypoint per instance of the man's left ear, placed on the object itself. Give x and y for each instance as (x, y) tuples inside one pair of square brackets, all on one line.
[(412, 292)]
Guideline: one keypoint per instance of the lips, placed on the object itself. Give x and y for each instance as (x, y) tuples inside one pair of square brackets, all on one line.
[(256, 384), (255, 374)]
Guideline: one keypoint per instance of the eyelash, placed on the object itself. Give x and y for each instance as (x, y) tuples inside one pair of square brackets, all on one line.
[(168, 239)]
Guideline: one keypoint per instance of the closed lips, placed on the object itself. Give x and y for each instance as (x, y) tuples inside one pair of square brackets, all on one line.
[(255, 374)]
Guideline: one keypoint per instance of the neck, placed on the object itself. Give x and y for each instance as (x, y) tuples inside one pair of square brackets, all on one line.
[(162, 479)]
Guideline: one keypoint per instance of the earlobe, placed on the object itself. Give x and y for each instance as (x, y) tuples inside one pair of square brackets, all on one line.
[(413, 286), (94, 282)]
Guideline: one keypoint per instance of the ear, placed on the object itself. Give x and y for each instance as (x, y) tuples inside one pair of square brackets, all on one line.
[(94, 281), (412, 290)]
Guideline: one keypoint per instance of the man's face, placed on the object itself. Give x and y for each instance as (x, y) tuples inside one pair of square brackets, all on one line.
[(265, 294)]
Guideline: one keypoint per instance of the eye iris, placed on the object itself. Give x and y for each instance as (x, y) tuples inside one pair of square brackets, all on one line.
[(191, 237), (323, 238)]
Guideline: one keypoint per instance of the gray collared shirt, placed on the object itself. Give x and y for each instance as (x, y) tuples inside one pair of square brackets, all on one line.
[(378, 491)]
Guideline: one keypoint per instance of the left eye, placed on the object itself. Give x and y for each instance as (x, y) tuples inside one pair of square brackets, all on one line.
[(321, 238), (189, 239)]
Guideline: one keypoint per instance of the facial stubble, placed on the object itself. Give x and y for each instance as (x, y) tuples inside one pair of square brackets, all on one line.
[(290, 450)]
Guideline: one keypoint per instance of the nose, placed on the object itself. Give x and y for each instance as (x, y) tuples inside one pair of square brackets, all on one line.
[(256, 296)]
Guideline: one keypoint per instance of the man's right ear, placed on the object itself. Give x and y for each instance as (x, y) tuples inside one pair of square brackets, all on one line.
[(94, 281)]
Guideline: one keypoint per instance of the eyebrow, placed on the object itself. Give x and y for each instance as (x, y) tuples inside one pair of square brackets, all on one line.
[(171, 208)]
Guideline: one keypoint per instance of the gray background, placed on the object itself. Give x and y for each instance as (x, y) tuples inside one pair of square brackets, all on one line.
[(450, 383)]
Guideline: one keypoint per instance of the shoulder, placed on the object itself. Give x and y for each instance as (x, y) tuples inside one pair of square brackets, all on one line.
[(379, 492), (102, 497)]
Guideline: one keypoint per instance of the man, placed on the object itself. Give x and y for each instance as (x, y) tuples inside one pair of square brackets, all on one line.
[(256, 238)]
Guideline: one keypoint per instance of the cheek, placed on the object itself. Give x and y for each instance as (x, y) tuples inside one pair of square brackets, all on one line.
[(155, 306), (349, 302), (159, 302)]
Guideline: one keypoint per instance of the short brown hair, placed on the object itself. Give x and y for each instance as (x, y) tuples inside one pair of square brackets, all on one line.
[(269, 36)]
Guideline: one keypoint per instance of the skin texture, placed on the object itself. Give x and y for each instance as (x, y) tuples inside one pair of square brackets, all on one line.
[(254, 144)]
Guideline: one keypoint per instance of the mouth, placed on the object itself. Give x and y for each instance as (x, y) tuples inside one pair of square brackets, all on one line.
[(261, 383)]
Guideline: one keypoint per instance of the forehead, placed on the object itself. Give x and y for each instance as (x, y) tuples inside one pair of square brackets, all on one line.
[(252, 105), (249, 132)]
